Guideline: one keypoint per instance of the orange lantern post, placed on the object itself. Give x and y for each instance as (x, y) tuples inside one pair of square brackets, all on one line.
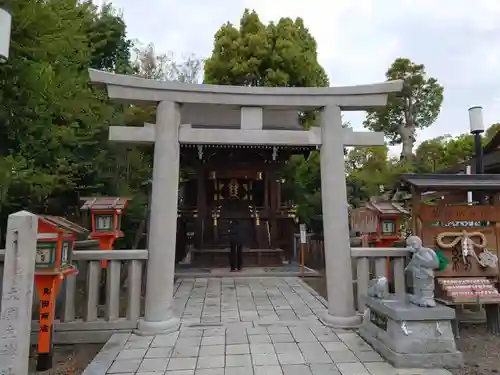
[(55, 242), (106, 220)]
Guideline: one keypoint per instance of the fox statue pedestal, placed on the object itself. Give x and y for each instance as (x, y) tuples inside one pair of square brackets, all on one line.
[(410, 336)]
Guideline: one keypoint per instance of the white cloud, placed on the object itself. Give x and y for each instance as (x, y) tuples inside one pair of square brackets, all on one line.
[(457, 40)]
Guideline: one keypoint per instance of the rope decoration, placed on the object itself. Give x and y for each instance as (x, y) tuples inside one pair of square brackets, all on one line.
[(464, 239)]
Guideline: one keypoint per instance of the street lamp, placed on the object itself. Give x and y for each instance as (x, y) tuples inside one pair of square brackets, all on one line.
[(5, 25), (477, 128)]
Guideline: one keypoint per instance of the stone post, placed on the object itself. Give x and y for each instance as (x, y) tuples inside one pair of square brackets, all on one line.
[(341, 312), (17, 292), (159, 317)]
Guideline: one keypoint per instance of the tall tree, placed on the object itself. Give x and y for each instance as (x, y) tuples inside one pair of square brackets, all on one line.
[(416, 108), (110, 48), (279, 54)]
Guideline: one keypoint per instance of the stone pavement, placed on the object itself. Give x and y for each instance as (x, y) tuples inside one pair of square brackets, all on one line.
[(246, 326)]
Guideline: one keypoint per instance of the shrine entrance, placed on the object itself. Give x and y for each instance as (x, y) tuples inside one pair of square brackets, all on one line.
[(232, 182), (229, 117)]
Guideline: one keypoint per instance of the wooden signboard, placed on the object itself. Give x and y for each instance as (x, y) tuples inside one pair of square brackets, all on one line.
[(430, 213)]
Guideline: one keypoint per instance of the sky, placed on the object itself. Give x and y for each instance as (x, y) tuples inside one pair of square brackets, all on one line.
[(458, 41)]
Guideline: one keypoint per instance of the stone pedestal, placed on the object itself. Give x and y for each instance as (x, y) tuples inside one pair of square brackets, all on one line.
[(410, 336)]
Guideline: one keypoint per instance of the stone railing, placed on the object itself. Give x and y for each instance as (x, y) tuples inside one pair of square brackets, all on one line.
[(370, 262), (82, 314)]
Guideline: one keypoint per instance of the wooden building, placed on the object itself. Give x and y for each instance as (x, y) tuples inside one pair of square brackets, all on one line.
[(224, 183)]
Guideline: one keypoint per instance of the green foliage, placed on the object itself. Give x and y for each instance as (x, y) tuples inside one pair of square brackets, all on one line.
[(54, 125), (281, 54), (110, 48), (370, 173), (303, 183), (416, 108), (492, 130)]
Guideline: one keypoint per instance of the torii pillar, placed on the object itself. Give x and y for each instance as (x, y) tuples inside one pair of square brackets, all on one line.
[(338, 263), (159, 316)]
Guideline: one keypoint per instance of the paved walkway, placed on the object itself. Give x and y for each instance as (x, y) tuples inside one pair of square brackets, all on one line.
[(247, 326)]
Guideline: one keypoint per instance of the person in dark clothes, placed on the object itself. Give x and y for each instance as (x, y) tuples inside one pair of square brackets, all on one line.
[(236, 245)]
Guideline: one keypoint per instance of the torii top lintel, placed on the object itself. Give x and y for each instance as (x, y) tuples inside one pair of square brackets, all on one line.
[(136, 89)]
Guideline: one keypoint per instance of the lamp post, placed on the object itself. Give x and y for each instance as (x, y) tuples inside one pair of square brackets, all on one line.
[(5, 26), (477, 128)]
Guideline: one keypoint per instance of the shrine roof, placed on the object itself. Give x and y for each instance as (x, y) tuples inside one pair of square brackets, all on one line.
[(387, 208), (435, 182), (104, 203), (63, 224)]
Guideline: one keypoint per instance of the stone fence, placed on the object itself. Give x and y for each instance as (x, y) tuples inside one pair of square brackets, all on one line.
[(84, 316)]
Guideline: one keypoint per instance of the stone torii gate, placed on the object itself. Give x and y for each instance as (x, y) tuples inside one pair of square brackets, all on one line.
[(213, 114)]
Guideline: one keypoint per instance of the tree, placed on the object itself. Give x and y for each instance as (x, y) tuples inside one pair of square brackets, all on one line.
[(437, 154), (53, 124), (370, 172), (107, 37), (492, 130), (416, 108), (165, 67), (281, 54)]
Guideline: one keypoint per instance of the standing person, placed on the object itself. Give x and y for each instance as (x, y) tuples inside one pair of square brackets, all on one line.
[(236, 245)]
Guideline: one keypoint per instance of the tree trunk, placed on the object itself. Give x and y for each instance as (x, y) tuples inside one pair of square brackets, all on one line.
[(137, 239), (407, 147), (139, 234)]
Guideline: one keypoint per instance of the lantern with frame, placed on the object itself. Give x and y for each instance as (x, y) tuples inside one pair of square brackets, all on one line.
[(106, 215), (55, 242)]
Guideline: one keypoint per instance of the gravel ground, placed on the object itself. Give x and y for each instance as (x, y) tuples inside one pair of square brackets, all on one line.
[(481, 349), (68, 359)]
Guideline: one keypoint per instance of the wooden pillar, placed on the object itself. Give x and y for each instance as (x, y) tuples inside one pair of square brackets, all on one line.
[(201, 203), (278, 194), (266, 191), (273, 208), (415, 209)]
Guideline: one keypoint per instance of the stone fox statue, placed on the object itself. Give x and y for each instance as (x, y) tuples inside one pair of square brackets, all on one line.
[(422, 265), (377, 287)]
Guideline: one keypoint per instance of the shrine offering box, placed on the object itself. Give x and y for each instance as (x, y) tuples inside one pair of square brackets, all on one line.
[(458, 290)]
